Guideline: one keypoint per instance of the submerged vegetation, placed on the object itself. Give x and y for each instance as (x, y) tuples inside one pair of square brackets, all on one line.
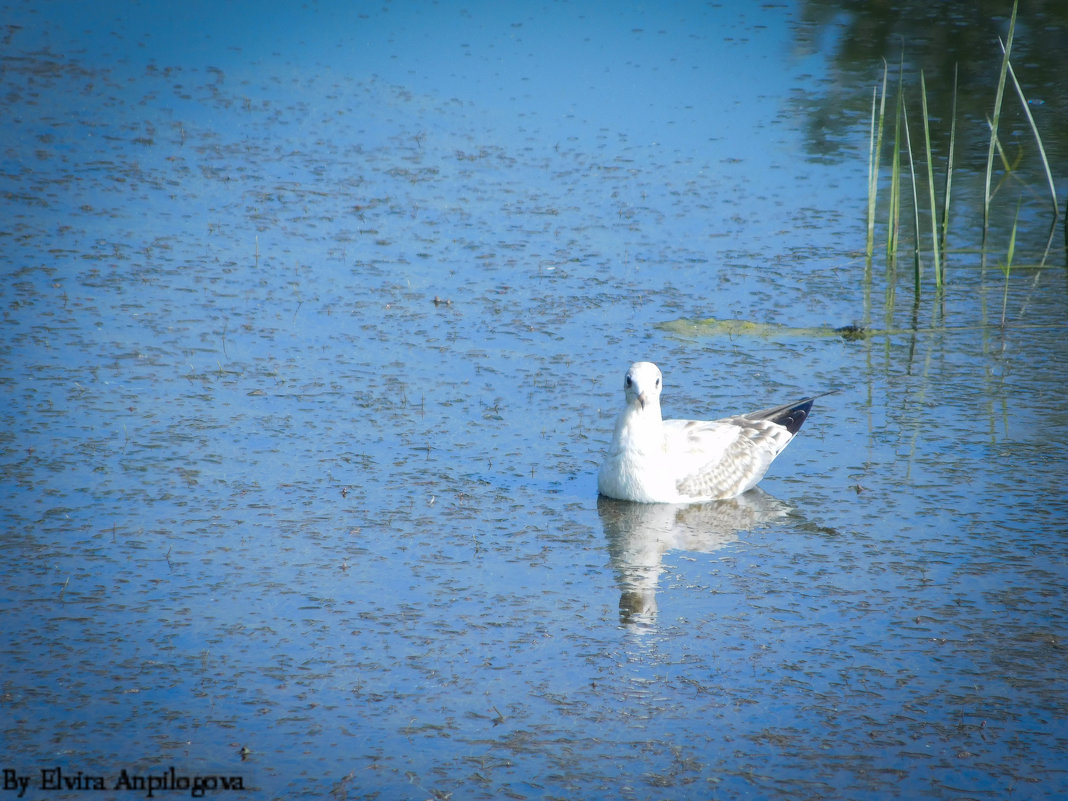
[(931, 247)]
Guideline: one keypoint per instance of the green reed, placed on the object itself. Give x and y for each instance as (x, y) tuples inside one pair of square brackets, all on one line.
[(894, 218), (930, 187), (902, 148), (1007, 267), (949, 163), (917, 265), (1041, 153), (999, 96), (875, 147)]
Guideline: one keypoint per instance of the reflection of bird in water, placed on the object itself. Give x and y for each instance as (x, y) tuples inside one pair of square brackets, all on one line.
[(639, 534), (652, 460)]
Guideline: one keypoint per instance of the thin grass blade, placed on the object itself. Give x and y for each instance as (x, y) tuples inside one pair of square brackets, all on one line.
[(915, 201), (1041, 152), (930, 184), (875, 149), (998, 97), (873, 179), (894, 217), (949, 164), (1008, 264)]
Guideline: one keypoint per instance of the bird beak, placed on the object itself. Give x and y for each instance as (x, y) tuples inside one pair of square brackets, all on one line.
[(642, 399)]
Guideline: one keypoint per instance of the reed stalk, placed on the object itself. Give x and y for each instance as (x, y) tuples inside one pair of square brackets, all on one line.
[(894, 217), (917, 266), (930, 185), (949, 164), (875, 146), (872, 173), (1038, 136), (1041, 153), (998, 98), (1008, 265)]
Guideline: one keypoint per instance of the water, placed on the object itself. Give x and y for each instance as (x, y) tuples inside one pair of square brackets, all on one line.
[(314, 329)]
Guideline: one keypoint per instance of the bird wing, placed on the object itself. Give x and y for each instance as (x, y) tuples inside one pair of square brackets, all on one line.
[(723, 458), (790, 416)]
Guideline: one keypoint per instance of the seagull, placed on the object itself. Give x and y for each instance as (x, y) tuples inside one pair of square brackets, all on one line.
[(652, 460)]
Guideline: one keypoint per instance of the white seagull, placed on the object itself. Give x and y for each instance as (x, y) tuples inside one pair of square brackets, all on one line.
[(652, 460)]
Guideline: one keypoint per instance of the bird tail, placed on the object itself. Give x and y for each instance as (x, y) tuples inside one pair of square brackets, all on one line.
[(790, 416)]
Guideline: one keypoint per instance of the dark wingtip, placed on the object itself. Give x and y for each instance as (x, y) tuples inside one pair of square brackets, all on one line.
[(793, 417), (790, 416)]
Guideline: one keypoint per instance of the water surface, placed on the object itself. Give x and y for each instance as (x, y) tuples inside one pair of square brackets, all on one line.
[(314, 330)]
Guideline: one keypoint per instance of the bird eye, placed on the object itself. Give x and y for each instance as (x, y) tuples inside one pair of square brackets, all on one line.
[(658, 383), (628, 381)]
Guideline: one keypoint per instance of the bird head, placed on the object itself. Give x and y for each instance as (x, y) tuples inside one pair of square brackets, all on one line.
[(642, 385)]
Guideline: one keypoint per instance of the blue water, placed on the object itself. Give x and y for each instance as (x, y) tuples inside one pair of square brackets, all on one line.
[(313, 333)]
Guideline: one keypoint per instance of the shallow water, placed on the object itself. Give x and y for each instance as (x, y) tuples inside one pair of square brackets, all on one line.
[(314, 327)]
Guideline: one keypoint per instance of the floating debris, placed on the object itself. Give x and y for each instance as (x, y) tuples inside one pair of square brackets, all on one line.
[(711, 326)]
